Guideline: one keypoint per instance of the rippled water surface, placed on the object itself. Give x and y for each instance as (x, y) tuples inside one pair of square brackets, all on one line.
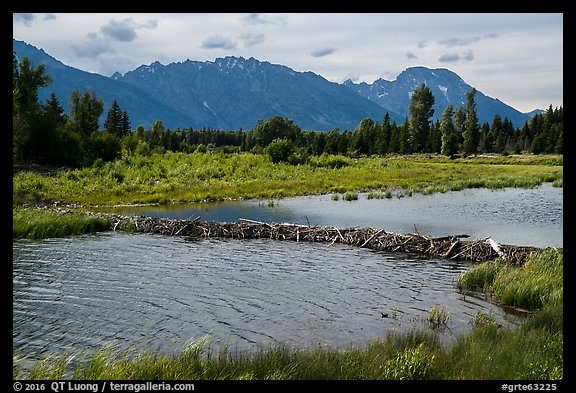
[(157, 292)]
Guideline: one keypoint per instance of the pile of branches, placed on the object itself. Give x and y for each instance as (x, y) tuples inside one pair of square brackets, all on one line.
[(449, 247)]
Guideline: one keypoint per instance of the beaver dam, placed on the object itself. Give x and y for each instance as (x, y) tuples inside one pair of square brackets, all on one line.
[(448, 247)]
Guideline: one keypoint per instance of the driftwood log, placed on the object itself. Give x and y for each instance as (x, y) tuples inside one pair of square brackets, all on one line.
[(448, 247)]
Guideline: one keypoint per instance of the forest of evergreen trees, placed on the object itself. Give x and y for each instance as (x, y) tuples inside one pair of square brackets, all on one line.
[(44, 134)]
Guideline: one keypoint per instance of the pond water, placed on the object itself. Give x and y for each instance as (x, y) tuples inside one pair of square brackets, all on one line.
[(523, 217), (156, 292)]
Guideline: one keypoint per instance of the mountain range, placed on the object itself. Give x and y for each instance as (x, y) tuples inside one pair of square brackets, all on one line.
[(447, 88), (233, 93)]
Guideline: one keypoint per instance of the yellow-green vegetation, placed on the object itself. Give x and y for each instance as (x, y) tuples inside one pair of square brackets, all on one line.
[(531, 351), (538, 283), (183, 177), (43, 223), (438, 317), (350, 196)]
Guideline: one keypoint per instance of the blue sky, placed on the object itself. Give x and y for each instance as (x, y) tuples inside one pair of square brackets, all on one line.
[(517, 58)]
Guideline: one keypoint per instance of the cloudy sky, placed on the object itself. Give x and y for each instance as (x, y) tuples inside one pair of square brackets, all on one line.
[(517, 58)]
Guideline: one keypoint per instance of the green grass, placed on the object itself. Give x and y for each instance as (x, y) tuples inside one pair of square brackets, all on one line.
[(379, 195), (538, 283), (438, 317), (180, 177), (531, 351), (40, 223), (407, 356), (350, 196)]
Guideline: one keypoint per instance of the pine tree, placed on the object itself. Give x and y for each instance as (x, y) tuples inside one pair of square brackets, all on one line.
[(449, 137), (498, 136), (404, 137), (332, 141), (86, 110), (364, 137), (539, 143), (509, 131), (459, 121), (156, 134), (113, 122), (421, 111), (126, 128), (435, 138), (471, 127), (394, 145), (54, 112), (383, 137), (486, 141), (559, 147)]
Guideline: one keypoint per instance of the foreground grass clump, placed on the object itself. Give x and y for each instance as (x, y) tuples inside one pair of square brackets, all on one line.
[(39, 223), (438, 317), (537, 284), (532, 351), (398, 357)]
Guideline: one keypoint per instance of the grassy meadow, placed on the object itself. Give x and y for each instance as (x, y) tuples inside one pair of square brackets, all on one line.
[(181, 177)]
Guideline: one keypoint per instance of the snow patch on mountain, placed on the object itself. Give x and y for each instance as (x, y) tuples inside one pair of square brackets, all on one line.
[(444, 90)]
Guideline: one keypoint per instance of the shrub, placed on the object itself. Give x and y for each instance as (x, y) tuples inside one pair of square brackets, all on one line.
[(351, 196), (280, 150)]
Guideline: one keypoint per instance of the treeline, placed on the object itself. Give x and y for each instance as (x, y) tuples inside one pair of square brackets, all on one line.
[(43, 133)]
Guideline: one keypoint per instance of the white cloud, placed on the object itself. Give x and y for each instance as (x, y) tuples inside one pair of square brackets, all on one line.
[(321, 52), (123, 30), (455, 41), (264, 19), (151, 23), (92, 48), (25, 18), (218, 41), (410, 55), (464, 41), (252, 39), (456, 57)]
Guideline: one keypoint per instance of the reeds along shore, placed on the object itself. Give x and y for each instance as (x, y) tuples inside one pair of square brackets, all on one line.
[(449, 247)]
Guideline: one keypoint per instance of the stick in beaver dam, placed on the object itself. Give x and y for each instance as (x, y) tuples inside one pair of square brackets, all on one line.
[(448, 247)]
